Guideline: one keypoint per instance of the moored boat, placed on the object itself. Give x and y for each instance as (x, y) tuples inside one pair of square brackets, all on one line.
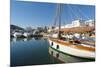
[(17, 34), (72, 49), (27, 34), (74, 45)]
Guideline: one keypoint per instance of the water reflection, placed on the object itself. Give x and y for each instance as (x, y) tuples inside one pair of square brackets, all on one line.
[(25, 39), (34, 51), (16, 39), (65, 58)]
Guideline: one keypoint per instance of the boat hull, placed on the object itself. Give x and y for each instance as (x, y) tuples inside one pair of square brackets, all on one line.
[(65, 58), (72, 51)]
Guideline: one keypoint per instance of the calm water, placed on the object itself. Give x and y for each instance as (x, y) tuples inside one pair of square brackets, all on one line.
[(36, 51)]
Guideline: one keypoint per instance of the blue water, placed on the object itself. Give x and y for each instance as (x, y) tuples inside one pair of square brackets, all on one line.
[(32, 52)]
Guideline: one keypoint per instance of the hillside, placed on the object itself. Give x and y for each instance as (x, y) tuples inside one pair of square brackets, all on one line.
[(13, 27)]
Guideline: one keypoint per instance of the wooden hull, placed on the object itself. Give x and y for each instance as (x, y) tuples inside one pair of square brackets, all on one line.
[(75, 50)]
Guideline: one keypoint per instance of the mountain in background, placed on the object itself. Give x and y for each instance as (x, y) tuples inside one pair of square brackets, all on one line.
[(14, 27)]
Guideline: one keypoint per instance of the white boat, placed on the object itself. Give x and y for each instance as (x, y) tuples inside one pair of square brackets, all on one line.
[(71, 47), (26, 34), (17, 34), (65, 58)]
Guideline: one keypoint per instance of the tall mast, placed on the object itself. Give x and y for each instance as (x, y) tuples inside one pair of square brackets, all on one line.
[(59, 20)]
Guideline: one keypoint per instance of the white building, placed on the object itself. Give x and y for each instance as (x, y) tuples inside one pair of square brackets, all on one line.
[(75, 23), (90, 22), (51, 29), (78, 23), (69, 26)]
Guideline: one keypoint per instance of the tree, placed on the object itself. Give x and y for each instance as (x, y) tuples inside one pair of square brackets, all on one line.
[(45, 29)]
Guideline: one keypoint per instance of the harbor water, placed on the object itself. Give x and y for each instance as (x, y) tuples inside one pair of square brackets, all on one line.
[(36, 51)]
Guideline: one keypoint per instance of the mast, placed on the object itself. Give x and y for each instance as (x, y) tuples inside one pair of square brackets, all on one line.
[(59, 20)]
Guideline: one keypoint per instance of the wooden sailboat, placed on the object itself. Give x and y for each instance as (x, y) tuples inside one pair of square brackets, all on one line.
[(72, 47)]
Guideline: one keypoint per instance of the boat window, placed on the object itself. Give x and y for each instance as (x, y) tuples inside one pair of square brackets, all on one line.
[(57, 55), (52, 44), (57, 46), (51, 52)]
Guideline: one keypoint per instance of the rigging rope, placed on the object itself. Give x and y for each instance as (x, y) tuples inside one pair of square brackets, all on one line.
[(81, 13)]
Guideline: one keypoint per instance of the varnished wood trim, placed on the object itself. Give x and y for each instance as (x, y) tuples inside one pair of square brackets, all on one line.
[(71, 45)]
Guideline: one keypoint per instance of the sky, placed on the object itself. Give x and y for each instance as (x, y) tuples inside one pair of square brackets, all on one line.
[(37, 14)]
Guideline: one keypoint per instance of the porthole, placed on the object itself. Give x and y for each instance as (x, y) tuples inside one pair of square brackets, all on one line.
[(57, 47), (51, 52), (57, 55), (52, 44)]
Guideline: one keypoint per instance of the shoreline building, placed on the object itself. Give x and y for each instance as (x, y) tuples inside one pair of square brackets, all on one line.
[(90, 22), (78, 23)]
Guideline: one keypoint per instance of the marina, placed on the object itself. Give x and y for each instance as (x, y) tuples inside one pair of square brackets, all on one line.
[(53, 34), (36, 51)]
